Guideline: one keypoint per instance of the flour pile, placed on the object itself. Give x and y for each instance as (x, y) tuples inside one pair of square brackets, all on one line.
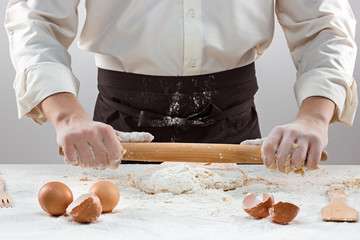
[(184, 178)]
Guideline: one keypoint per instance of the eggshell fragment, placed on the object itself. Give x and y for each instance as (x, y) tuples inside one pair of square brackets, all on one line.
[(256, 208), (283, 212), (86, 208), (108, 194), (54, 198)]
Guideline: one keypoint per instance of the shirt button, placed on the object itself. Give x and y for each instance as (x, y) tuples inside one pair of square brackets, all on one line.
[(192, 13), (193, 63)]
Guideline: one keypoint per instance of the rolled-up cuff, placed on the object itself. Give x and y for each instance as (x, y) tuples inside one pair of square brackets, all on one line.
[(37, 82), (334, 85)]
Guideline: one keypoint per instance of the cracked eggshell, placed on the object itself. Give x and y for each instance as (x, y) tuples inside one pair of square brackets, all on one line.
[(108, 194), (86, 208), (283, 212), (256, 208), (54, 198)]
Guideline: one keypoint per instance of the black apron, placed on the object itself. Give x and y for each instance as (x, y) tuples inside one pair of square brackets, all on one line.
[(209, 108)]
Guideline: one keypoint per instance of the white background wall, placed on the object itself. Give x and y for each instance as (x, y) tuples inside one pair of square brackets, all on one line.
[(26, 142)]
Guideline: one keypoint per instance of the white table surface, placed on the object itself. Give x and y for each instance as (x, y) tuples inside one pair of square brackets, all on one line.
[(167, 216)]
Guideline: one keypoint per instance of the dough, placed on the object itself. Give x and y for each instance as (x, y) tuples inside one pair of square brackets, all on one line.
[(187, 178)]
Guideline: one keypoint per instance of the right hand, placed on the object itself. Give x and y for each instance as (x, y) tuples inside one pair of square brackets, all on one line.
[(84, 142), (95, 144)]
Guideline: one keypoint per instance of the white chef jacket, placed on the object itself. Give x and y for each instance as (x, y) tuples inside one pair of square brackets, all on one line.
[(181, 38)]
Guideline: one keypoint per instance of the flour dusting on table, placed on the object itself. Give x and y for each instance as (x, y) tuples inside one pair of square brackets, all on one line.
[(202, 214)]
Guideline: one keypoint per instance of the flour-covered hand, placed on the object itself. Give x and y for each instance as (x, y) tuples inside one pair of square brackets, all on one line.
[(293, 146), (96, 145), (90, 144), (85, 142)]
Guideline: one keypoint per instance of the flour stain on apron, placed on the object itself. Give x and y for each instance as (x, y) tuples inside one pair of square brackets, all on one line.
[(210, 108)]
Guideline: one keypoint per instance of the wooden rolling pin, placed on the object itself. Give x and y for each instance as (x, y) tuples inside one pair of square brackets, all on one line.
[(193, 152)]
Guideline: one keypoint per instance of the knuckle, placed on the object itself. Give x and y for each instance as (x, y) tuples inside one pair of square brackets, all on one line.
[(277, 129), (267, 147), (66, 139), (293, 132), (91, 133), (311, 136), (109, 129), (75, 136), (69, 136), (106, 128)]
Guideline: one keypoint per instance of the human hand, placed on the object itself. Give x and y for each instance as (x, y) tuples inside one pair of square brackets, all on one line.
[(292, 146), (298, 144), (295, 145), (96, 145), (84, 142)]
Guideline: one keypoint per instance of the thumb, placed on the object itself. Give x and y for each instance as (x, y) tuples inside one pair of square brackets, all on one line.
[(134, 136)]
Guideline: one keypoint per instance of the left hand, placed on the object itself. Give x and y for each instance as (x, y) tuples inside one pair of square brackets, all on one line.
[(295, 145), (298, 144)]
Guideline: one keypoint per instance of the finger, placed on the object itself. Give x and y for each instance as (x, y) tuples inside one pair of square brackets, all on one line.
[(134, 136), (112, 146), (314, 155), (284, 154), (70, 154), (269, 147), (85, 153), (298, 156), (101, 160), (257, 142), (115, 163), (67, 148)]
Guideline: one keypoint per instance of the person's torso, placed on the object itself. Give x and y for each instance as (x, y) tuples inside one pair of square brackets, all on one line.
[(177, 37)]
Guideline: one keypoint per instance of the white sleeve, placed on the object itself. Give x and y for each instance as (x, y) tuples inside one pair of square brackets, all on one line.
[(320, 37), (40, 32)]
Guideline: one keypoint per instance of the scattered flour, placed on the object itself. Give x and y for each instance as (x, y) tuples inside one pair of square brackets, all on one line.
[(208, 214)]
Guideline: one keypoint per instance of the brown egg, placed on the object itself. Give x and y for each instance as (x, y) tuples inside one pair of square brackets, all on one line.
[(54, 198), (283, 213), (86, 208), (108, 193), (256, 208)]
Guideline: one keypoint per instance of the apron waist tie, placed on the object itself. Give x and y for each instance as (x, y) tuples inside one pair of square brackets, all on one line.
[(205, 117)]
